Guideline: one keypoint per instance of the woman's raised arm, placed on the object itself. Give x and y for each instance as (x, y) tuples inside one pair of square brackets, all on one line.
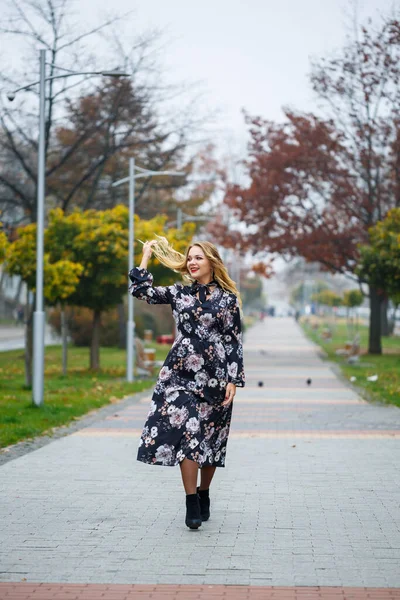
[(142, 281)]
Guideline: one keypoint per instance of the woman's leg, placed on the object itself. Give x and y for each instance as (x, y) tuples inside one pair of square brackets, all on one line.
[(206, 475), (189, 472)]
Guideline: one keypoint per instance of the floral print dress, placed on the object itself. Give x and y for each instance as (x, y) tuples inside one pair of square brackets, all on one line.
[(186, 418)]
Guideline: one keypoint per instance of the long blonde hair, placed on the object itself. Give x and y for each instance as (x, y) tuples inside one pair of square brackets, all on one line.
[(176, 261)]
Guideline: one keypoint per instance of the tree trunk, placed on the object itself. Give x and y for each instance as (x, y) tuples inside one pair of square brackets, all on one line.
[(17, 296), (391, 317), (374, 343), (28, 342), (64, 334), (121, 325), (95, 345), (384, 316), (2, 277)]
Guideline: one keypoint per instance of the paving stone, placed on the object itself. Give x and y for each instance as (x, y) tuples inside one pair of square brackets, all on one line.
[(297, 505)]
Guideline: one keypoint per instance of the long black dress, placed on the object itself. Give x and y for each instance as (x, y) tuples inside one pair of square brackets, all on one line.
[(186, 419)]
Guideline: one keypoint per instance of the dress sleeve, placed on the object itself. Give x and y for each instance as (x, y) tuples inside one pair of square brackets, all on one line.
[(142, 288), (233, 343)]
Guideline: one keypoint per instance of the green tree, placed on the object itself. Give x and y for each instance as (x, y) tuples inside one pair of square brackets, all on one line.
[(379, 264), (86, 262), (315, 185), (352, 299), (60, 278), (327, 298), (300, 293), (251, 291), (3, 245), (99, 241)]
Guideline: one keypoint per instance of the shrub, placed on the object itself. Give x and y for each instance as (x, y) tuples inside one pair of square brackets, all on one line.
[(112, 332)]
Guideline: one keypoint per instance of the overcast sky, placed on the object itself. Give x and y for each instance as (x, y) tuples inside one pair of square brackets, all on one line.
[(251, 54)]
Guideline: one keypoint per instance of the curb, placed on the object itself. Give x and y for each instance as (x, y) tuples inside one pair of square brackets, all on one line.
[(30, 445)]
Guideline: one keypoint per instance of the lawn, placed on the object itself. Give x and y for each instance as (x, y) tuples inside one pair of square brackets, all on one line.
[(66, 397), (386, 367)]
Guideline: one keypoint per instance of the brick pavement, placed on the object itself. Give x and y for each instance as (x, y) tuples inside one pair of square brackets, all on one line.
[(310, 495), (27, 591)]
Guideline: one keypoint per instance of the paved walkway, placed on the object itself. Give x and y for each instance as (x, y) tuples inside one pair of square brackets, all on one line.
[(12, 337), (310, 497)]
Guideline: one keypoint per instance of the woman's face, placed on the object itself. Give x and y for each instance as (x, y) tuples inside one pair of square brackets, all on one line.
[(198, 265)]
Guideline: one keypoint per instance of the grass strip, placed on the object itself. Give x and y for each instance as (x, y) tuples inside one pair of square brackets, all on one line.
[(66, 397), (386, 366)]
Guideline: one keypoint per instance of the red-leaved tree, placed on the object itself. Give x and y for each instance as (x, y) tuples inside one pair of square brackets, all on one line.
[(318, 183)]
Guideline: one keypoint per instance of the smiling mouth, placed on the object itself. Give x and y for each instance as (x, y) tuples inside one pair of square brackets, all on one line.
[(193, 270)]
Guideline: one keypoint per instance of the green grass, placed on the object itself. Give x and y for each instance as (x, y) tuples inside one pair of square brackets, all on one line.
[(10, 322), (387, 366), (66, 397)]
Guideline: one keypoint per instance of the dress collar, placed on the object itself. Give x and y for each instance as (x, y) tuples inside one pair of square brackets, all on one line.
[(203, 289)]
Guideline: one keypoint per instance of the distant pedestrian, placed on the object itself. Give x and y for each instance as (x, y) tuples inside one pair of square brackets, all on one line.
[(190, 414), (19, 315)]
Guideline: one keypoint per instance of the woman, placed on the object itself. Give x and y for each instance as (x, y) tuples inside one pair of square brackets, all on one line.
[(190, 414)]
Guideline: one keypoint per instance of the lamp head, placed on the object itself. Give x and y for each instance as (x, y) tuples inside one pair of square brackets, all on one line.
[(115, 73), (11, 96)]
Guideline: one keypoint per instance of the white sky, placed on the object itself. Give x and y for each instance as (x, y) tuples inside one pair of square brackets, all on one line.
[(251, 54)]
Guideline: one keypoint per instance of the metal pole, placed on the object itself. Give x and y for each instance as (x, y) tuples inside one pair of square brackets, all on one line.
[(130, 327), (38, 316), (179, 218), (237, 262)]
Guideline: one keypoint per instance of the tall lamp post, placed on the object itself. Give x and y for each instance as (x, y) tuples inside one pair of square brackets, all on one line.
[(39, 315), (135, 172), (181, 217)]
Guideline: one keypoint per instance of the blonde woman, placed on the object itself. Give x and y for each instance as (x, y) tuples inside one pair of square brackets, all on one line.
[(189, 419)]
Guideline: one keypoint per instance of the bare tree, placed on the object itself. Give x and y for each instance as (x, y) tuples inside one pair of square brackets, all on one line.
[(92, 125)]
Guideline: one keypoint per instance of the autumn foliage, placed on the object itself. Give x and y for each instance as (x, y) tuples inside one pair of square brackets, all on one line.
[(86, 259), (318, 183), (3, 245), (380, 259)]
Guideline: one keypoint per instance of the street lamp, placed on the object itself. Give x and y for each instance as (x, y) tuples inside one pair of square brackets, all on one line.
[(135, 172), (181, 217), (39, 316)]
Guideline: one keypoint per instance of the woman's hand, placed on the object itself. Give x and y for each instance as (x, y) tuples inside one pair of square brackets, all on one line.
[(147, 252), (229, 394), (148, 248)]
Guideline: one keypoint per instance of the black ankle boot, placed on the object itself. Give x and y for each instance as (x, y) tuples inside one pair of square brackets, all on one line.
[(193, 518), (204, 497)]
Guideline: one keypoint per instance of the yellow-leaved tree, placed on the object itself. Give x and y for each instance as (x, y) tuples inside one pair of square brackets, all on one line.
[(379, 263), (3, 245), (60, 279), (86, 263), (98, 240)]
